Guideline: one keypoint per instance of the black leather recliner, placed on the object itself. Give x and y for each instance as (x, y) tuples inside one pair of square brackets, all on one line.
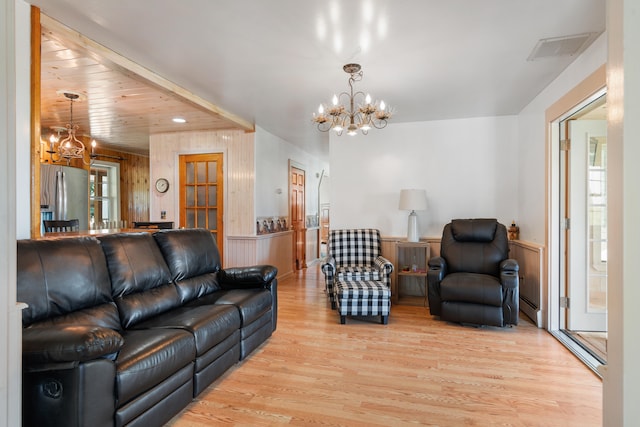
[(473, 281)]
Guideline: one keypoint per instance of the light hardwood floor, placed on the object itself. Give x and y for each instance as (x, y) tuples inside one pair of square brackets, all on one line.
[(414, 371)]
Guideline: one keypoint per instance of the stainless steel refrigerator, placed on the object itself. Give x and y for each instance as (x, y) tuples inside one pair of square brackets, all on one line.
[(64, 193)]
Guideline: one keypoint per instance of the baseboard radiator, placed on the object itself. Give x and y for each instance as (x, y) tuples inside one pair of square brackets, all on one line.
[(530, 259)]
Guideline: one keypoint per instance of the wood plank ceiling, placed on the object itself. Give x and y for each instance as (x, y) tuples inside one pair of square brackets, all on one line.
[(118, 107)]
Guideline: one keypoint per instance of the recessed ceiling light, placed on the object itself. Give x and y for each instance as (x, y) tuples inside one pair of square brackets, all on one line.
[(179, 120)]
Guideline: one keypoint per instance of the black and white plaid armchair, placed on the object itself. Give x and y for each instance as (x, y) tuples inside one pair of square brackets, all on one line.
[(354, 254)]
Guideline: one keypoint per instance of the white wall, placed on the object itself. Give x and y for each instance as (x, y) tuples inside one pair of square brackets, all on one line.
[(272, 175), (621, 385), (14, 180), (531, 140), (468, 168)]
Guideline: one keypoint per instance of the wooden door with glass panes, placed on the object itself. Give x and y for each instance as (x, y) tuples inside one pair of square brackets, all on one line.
[(201, 195)]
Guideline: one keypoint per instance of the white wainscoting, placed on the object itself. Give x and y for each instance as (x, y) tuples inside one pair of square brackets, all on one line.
[(312, 244), (275, 249)]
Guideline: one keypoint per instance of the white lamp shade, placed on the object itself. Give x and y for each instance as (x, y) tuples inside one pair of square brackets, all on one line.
[(413, 200)]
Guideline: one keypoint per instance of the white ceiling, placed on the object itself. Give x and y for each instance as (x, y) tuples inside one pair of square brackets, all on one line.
[(272, 62)]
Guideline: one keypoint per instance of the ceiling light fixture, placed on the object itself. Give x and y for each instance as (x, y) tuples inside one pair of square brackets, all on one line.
[(367, 114), (179, 120), (70, 147)]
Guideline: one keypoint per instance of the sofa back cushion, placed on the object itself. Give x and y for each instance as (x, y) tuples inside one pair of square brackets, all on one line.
[(474, 246), (140, 281), (65, 281), (193, 259)]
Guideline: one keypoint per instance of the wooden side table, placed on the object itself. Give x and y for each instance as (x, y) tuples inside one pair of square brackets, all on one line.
[(412, 262)]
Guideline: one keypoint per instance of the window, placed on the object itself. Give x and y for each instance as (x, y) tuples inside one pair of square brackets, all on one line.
[(104, 191)]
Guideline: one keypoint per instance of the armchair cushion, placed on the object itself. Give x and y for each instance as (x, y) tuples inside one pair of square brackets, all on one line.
[(357, 272)]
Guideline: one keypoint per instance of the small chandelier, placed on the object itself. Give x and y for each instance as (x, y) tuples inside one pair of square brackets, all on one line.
[(70, 147), (352, 118)]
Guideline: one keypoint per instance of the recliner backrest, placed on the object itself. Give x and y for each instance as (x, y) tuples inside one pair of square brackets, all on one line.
[(354, 247), (474, 245), (140, 280), (193, 258), (65, 281)]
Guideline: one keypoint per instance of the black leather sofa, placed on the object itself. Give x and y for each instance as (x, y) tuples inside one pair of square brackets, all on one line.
[(125, 329)]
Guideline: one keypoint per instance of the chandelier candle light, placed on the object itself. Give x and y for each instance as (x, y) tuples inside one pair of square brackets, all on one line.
[(367, 114), (413, 200)]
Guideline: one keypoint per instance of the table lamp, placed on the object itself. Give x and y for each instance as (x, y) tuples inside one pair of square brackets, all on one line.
[(413, 200)]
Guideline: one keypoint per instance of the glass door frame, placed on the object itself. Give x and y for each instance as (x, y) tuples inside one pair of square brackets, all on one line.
[(591, 89)]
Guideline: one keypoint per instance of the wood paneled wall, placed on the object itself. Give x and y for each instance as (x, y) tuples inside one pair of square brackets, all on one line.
[(238, 149)]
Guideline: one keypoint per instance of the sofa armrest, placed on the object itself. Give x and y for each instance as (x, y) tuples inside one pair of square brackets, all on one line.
[(256, 276), (509, 273), (42, 345)]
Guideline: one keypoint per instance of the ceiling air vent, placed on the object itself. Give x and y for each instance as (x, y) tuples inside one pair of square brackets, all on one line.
[(561, 46)]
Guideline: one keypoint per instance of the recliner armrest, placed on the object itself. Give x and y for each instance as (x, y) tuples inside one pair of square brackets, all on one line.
[(54, 344), (436, 272), (509, 265), (257, 276), (437, 268), (509, 273)]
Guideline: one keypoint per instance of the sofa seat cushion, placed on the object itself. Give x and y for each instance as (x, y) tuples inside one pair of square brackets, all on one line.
[(472, 288), (148, 357), (209, 324), (251, 303), (349, 273)]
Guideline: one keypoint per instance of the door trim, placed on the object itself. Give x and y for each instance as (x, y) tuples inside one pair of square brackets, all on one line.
[(293, 164), (589, 87)]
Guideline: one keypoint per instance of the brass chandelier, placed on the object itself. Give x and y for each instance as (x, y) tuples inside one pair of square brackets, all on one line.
[(70, 147), (359, 114)]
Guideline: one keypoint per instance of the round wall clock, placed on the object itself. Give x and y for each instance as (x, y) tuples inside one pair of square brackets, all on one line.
[(162, 185)]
